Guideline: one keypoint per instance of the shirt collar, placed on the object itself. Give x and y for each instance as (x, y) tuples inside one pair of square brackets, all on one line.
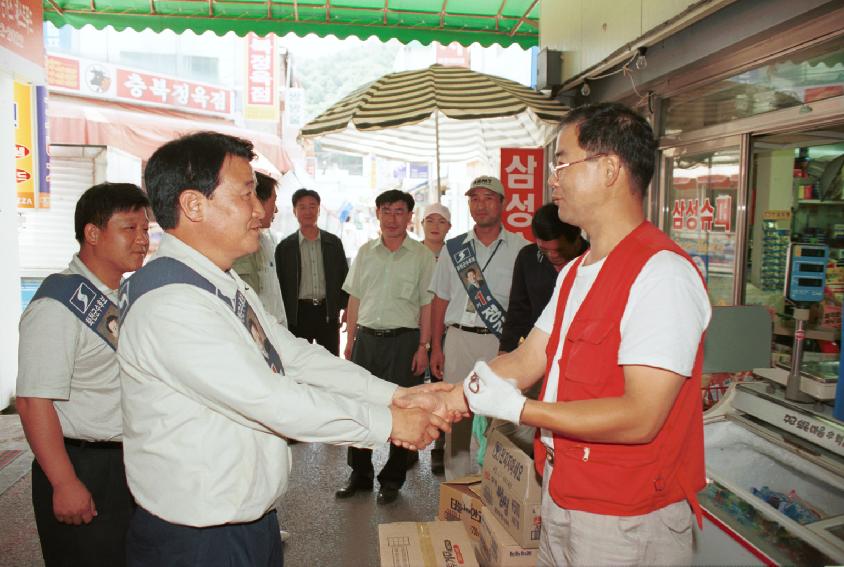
[(470, 236), (173, 247), (79, 267), (302, 236), (407, 243)]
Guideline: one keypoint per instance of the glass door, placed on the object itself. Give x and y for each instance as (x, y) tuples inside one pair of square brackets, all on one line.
[(701, 196)]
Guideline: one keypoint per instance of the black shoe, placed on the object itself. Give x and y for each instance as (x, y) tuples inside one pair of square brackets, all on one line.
[(354, 484), (387, 494)]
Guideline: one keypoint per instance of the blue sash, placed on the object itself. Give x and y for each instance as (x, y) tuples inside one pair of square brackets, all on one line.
[(462, 254), (84, 300), (166, 271)]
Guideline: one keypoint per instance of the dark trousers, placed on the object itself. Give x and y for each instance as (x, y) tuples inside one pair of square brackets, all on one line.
[(389, 358), (101, 542), (154, 542), (315, 325)]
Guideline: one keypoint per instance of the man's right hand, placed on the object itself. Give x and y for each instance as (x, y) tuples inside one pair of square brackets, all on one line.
[(415, 428), (436, 362), (347, 352), (73, 503)]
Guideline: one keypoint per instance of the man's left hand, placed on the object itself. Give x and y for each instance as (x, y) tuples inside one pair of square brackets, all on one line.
[(420, 361), (490, 395)]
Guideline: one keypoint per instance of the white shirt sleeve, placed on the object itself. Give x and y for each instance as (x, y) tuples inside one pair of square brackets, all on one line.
[(222, 369), (545, 323), (49, 339), (666, 314), (441, 280)]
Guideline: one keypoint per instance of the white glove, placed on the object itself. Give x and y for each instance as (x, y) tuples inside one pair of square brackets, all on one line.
[(490, 395)]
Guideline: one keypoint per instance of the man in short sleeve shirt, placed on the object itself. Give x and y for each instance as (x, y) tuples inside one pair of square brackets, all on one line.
[(620, 345), (388, 326), (68, 390), (467, 338)]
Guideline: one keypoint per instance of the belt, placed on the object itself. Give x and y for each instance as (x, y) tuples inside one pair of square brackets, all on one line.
[(93, 444), (476, 330), (386, 332), (314, 302)]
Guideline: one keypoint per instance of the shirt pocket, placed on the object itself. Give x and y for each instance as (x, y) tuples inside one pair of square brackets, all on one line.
[(591, 363), (626, 476), (407, 285)]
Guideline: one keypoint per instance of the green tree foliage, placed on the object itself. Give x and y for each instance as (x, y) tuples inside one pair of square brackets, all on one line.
[(328, 77)]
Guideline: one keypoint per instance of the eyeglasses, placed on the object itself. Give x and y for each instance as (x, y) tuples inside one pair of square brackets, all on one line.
[(393, 212), (556, 169)]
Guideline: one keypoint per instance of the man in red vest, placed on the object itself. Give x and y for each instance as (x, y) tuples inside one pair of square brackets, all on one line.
[(620, 433)]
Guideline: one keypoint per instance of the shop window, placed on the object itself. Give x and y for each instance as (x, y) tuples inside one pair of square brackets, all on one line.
[(28, 288), (797, 196), (701, 215), (796, 79)]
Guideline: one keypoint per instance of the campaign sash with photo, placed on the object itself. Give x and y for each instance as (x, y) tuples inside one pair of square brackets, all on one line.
[(83, 299), (462, 254), (166, 271)]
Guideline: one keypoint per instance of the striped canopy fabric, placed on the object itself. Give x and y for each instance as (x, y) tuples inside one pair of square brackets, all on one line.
[(453, 112)]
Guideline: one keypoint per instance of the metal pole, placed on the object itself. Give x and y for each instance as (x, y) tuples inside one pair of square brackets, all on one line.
[(437, 151), (792, 388)]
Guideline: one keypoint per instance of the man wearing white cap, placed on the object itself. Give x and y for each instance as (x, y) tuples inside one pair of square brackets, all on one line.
[(436, 222), (473, 323)]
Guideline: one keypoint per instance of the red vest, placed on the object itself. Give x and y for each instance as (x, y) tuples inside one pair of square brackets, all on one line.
[(616, 479)]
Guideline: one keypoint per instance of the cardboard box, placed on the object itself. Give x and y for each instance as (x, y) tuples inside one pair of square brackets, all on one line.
[(511, 489), (425, 544), (460, 499), (497, 548)]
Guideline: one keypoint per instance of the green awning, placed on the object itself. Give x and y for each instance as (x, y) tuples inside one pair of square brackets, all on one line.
[(487, 22)]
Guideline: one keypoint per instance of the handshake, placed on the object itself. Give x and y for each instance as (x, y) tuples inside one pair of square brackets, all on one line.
[(422, 412)]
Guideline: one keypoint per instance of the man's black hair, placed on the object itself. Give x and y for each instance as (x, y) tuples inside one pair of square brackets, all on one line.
[(265, 186), (97, 205), (302, 193), (546, 224), (394, 196), (612, 128), (190, 162)]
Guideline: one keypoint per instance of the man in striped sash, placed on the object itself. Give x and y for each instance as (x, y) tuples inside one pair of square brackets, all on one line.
[(68, 384)]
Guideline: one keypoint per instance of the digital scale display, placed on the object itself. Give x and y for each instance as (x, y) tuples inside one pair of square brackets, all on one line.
[(806, 272)]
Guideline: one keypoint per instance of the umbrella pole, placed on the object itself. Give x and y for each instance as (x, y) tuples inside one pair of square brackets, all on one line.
[(437, 152)]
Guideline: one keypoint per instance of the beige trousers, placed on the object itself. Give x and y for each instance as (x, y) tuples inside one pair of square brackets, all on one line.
[(461, 350), (572, 537)]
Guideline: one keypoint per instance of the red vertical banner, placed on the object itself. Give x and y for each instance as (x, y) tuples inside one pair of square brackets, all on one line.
[(522, 176)]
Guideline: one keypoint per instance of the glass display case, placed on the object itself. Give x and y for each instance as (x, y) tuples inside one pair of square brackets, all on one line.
[(775, 491)]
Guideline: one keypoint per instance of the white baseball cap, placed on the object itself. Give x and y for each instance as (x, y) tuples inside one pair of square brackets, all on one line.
[(437, 209)]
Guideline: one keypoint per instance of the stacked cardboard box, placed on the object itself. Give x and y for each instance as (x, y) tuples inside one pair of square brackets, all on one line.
[(425, 544), (460, 500), (511, 489), (497, 548)]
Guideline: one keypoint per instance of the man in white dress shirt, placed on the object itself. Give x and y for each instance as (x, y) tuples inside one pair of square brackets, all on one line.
[(258, 269), (207, 407)]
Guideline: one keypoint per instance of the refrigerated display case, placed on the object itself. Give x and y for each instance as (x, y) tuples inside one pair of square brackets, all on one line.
[(775, 481)]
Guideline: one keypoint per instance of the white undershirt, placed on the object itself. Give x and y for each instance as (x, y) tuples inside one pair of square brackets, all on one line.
[(666, 313)]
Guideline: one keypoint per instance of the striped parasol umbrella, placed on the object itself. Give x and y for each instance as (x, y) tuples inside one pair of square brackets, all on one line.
[(451, 114)]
